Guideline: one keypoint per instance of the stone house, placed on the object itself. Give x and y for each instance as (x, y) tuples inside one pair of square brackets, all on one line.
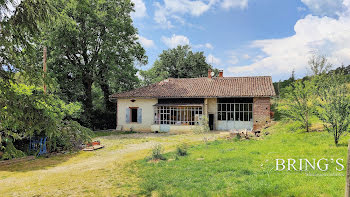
[(178, 104)]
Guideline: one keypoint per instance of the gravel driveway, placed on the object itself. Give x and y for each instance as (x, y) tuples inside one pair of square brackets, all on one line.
[(102, 172)]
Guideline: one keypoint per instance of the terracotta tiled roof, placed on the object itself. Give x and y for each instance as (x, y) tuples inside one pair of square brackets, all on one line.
[(204, 87)]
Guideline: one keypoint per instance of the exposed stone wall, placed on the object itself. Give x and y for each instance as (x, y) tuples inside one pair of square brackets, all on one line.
[(261, 112)]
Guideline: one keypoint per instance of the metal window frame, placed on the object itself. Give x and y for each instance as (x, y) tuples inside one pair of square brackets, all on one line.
[(246, 110), (177, 115)]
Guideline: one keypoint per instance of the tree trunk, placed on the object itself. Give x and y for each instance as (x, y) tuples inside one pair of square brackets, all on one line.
[(347, 187), (105, 89), (87, 101), (307, 122)]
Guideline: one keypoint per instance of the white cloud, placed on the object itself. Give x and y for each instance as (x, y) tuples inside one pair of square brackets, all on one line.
[(233, 59), (140, 9), (301, 9), (206, 45), (326, 35), (146, 42), (213, 60), (175, 40), (246, 56), (160, 16), (174, 8), (324, 7), (227, 4)]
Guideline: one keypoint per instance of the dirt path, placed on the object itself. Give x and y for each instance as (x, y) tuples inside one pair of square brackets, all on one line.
[(104, 172)]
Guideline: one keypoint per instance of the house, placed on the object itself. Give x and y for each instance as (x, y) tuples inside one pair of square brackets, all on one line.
[(177, 105)]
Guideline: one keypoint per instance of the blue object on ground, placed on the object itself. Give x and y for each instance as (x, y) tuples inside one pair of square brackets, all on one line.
[(38, 145)]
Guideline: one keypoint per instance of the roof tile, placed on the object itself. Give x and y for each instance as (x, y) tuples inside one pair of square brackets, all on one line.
[(205, 87)]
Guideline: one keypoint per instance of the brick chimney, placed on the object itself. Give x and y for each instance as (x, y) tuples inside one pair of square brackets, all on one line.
[(209, 73), (221, 73)]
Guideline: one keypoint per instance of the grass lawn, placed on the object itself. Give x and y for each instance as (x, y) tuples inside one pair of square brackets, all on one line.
[(247, 167), (104, 172), (217, 168)]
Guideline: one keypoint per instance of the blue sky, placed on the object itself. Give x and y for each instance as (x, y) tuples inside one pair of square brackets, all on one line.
[(248, 37)]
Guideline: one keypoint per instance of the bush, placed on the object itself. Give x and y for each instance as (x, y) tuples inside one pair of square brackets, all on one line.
[(102, 120), (181, 150), (71, 137), (11, 152), (157, 153), (203, 126), (27, 112)]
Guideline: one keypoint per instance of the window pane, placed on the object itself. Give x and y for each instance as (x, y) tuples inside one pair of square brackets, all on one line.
[(245, 107), (219, 107), (232, 107), (133, 115), (223, 107), (241, 107), (237, 116), (223, 116), (241, 116), (232, 116), (245, 116), (250, 107), (228, 107), (219, 115), (250, 116), (237, 107)]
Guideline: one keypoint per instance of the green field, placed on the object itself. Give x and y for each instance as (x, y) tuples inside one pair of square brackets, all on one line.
[(247, 167)]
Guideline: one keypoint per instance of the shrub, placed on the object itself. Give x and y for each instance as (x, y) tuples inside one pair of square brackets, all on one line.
[(181, 150), (71, 137), (27, 112), (238, 137), (203, 126), (11, 152), (157, 152)]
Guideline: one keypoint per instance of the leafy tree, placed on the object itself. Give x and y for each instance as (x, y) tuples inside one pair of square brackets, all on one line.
[(93, 42), (281, 85), (179, 62), (333, 104), (297, 103), (319, 64), (24, 110), (19, 34), (19, 31), (27, 112)]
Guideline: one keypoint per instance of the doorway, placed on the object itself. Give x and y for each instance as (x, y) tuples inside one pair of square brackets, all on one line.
[(211, 121)]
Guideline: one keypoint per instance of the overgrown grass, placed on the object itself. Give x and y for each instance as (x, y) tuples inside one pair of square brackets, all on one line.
[(247, 167)]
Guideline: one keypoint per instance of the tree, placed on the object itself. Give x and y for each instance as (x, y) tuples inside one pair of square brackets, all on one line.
[(19, 33), (297, 104), (93, 42), (319, 64), (333, 104), (179, 62)]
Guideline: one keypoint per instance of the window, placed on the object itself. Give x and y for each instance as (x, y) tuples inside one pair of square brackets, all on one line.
[(177, 115), (235, 111), (133, 114)]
